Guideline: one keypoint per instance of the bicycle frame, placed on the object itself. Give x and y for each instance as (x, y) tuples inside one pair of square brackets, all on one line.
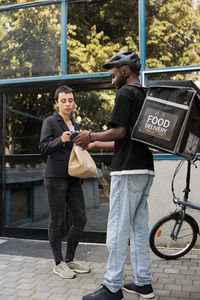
[(183, 202)]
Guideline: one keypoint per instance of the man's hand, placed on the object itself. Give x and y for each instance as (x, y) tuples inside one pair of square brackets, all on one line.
[(91, 146), (82, 139)]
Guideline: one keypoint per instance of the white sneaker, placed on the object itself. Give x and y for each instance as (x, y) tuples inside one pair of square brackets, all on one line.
[(64, 271), (78, 267)]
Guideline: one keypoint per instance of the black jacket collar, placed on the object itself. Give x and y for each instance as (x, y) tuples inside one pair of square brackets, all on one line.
[(61, 122)]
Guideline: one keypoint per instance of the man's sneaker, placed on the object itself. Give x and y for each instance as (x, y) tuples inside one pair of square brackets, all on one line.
[(104, 294), (64, 271), (144, 291), (78, 267)]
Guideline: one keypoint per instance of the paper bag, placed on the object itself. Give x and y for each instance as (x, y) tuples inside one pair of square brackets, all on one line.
[(81, 164)]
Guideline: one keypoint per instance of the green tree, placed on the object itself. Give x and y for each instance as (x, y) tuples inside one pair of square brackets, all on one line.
[(173, 33), (97, 30), (99, 105), (30, 42)]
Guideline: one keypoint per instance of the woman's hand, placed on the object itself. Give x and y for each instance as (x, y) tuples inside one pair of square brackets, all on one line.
[(65, 137)]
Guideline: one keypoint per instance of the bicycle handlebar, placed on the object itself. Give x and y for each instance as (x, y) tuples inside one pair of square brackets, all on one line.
[(197, 157)]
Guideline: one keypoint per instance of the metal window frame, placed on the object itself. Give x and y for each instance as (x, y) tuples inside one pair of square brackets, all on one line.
[(181, 69), (64, 6)]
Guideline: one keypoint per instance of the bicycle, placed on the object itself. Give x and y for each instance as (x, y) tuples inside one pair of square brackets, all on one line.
[(178, 227)]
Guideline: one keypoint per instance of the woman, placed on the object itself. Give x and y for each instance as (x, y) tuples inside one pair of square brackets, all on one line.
[(62, 189)]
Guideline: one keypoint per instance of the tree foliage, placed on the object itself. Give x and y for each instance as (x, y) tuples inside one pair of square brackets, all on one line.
[(30, 41), (173, 35)]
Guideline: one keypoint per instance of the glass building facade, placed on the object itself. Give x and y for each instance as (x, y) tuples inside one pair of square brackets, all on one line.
[(45, 44)]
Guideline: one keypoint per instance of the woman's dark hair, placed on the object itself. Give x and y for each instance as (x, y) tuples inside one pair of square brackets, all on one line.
[(63, 89)]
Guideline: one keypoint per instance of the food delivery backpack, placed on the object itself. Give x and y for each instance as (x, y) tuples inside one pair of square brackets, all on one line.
[(170, 117)]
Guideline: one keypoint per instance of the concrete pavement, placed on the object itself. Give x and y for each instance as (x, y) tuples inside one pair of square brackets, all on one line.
[(26, 273)]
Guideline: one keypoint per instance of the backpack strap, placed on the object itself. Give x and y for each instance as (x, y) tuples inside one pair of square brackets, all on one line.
[(144, 90), (138, 85)]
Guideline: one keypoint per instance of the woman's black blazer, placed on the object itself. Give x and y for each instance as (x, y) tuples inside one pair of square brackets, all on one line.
[(52, 147)]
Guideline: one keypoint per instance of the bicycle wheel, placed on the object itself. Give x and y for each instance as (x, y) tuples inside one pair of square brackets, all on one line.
[(161, 236)]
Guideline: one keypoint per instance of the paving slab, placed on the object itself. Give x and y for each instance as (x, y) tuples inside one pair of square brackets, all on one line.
[(26, 273)]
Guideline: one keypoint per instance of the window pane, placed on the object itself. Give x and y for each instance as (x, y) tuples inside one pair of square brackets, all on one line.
[(30, 42), (10, 2), (26, 198), (172, 33), (25, 114), (19, 204), (195, 76), (99, 29), (24, 173)]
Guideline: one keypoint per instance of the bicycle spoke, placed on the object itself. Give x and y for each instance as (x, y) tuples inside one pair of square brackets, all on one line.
[(165, 235)]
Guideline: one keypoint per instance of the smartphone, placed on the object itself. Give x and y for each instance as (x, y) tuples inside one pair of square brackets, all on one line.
[(73, 134)]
